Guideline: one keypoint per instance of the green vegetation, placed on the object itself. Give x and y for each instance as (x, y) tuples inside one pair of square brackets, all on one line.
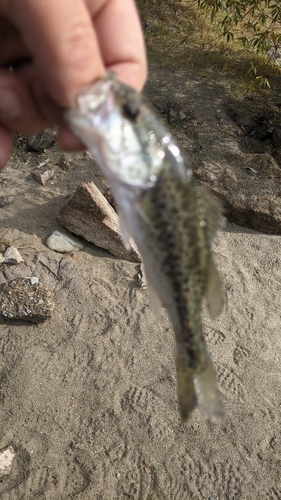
[(257, 23), (231, 37)]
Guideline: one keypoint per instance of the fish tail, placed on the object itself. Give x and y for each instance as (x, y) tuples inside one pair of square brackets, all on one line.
[(198, 387), (186, 390)]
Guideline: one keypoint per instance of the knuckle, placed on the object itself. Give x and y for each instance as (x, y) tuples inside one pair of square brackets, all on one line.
[(77, 42)]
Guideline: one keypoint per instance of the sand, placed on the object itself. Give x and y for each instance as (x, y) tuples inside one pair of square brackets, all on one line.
[(88, 398)]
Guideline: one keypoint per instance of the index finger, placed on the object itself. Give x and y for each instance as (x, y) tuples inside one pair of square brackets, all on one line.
[(120, 37), (62, 42)]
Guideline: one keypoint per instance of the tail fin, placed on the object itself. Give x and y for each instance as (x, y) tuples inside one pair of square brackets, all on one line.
[(186, 391), (198, 388)]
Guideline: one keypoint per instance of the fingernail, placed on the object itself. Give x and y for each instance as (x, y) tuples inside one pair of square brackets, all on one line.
[(10, 105)]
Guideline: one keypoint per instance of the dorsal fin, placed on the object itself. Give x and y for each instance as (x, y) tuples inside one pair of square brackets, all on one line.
[(211, 211)]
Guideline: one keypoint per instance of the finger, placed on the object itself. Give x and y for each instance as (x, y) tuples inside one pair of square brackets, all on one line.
[(11, 43), (67, 140), (6, 144), (62, 41), (18, 112), (120, 39)]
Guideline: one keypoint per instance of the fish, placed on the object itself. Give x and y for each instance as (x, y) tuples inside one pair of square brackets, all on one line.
[(171, 217)]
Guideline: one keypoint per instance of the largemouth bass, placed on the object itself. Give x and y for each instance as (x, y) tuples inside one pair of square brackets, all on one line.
[(171, 218)]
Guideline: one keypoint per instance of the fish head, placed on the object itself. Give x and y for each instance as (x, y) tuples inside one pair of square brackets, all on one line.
[(121, 132)]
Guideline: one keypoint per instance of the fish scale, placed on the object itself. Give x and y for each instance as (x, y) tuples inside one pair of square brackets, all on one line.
[(171, 218)]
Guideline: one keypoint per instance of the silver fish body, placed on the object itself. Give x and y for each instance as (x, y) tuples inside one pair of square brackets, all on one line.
[(171, 218)]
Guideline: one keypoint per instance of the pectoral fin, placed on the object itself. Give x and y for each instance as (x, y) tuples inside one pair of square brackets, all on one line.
[(154, 298), (124, 231), (214, 293)]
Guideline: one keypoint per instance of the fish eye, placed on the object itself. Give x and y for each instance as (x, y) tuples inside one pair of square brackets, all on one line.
[(130, 111)]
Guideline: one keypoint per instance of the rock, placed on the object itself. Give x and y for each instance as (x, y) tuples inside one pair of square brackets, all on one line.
[(12, 256), (2, 258), (44, 162), (63, 243), (4, 201), (44, 177), (276, 137), (142, 281), (247, 121), (41, 141), (20, 299), (67, 163), (6, 459), (4, 244), (33, 280), (109, 197), (88, 214), (250, 195)]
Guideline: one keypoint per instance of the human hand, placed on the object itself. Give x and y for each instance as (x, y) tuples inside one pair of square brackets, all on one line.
[(65, 45)]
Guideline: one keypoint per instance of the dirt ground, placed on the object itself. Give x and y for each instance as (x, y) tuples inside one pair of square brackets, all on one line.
[(88, 398)]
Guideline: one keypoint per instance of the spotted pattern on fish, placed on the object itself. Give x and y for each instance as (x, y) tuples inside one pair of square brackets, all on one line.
[(171, 218)]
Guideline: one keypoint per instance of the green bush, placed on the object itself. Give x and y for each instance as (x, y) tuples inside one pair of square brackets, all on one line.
[(256, 23)]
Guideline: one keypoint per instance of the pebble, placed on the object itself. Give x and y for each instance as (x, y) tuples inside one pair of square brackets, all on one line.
[(20, 299), (12, 256), (33, 280), (142, 282), (6, 459), (43, 163), (62, 243)]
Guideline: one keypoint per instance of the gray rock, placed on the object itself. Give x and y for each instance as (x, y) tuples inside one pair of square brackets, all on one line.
[(67, 163), (22, 300), (88, 214), (251, 195), (63, 243), (141, 277), (247, 121), (12, 256), (276, 137), (41, 141), (4, 201)]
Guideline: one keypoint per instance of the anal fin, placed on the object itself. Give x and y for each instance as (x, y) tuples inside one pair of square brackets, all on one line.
[(124, 231), (214, 293)]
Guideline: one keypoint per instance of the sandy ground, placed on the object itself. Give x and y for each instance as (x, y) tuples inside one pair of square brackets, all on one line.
[(88, 398)]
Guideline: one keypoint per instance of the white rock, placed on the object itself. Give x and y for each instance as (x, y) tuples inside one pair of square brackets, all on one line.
[(33, 280), (60, 242), (6, 458), (12, 256), (2, 258), (43, 163)]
